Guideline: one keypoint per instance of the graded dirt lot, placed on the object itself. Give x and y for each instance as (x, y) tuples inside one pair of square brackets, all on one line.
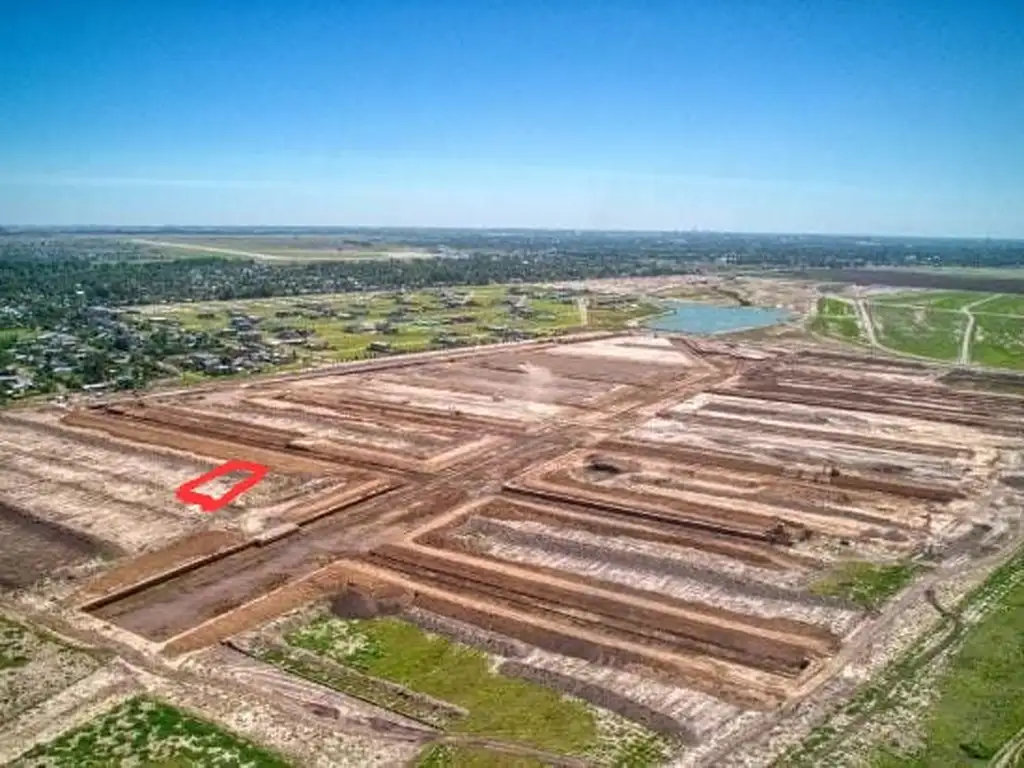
[(34, 548), (655, 507)]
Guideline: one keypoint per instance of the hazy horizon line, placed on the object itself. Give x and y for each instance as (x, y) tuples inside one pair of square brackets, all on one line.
[(198, 228)]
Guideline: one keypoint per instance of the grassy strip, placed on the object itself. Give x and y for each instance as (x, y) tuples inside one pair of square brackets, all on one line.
[(949, 300), (954, 299), (1009, 304), (866, 584), (361, 686), (498, 707), (981, 697), (897, 682), (144, 731), (452, 756)]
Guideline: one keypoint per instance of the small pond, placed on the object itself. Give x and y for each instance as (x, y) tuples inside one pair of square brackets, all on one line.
[(687, 317)]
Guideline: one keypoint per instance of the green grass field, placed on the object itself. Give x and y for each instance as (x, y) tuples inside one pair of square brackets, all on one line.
[(143, 731), (998, 341), (930, 324), (836, 318), (980, 705), (449, 756), (919, 331), (866, 584), (499, 707), (1003, 304)]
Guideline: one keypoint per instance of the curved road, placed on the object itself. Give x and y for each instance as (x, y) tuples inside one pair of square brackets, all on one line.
[(965, 343), (964, 356)]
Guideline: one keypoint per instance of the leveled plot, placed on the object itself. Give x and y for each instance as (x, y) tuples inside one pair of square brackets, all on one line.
[(634, 487), (741, 655), (531, 382), (31, 549), (703, 524), (322, 425), (935, 404), (606, 361), (856, 452), (163, 607), (437, 398), (694, 574), (638, 351)]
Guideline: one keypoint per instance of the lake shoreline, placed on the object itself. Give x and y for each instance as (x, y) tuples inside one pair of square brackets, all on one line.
[(714, 319)]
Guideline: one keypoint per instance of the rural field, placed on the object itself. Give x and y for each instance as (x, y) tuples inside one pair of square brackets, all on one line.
[(600, 549), (962, 327)]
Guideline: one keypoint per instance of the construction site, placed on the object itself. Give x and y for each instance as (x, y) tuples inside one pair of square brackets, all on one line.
[(645, 514)]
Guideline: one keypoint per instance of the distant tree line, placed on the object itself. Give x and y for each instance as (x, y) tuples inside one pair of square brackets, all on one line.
[(47, 280)]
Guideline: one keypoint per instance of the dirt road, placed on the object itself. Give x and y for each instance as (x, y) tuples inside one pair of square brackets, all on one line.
[(964, 357)]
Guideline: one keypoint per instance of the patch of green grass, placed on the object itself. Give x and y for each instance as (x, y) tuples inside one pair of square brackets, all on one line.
[(348, 680), (36, 664), (11, 336), (13, 645), (498, 707), (954, 299), (950, 300), (919, 330), (452, 756), (148, 732), (998, 341), (836, 318), (866, 584), (835, 307)]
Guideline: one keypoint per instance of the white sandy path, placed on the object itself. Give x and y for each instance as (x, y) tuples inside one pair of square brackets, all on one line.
[(298, 256)]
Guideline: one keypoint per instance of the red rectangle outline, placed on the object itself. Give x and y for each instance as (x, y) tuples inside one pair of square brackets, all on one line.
[(187, 494)]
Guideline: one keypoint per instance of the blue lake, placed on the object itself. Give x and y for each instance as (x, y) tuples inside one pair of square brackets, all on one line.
[(686, 317)]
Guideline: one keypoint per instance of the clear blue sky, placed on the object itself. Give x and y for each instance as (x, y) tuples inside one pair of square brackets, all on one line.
[(869, 116)]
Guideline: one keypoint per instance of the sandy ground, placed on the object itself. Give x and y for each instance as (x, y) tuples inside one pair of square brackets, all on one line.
[(667, 466)]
